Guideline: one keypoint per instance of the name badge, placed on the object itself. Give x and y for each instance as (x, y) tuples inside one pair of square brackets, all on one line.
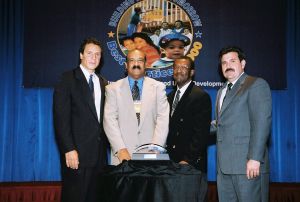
[(137, 106)]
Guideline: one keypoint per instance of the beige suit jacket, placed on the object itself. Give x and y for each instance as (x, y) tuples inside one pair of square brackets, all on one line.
[(120, 121)]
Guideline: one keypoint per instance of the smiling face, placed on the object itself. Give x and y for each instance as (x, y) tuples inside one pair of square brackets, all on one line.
[(232, 67), (178, 25), (174, 49), (182, 71), (140, 43), (129, 44), (165, 25), (135, 64), (90, 58)]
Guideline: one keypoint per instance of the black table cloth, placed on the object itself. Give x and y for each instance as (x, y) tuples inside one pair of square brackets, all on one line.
[(151, 181)]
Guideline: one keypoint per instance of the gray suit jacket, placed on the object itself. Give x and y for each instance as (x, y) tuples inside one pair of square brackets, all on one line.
[(243, 125), (120, 121)]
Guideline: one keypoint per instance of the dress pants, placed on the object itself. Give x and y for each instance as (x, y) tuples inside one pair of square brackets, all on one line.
[(237, 188), (80, 185)]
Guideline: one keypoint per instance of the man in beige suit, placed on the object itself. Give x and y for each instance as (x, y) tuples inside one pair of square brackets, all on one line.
[(136, 110)]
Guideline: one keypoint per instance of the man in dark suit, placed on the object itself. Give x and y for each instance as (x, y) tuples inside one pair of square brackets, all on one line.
[(190, 119), (243, 124), (78, 104)]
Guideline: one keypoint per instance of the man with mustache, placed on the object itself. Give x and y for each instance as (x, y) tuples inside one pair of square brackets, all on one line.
[(243, 124), (189, 121), (136, 110)]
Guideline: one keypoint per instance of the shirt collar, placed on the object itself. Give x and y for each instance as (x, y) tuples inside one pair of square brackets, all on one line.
[(140, 82), (86, 72), (183, 88), (234, 80)]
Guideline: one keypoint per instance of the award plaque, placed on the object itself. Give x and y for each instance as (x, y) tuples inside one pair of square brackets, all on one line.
[(150, 152)]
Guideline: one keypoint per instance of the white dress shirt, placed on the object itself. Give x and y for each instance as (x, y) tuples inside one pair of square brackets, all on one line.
[(182, 90), (224, 91), (97, 88)]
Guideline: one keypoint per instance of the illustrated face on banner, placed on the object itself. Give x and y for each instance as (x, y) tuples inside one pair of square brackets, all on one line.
[(139, 42), (129, 44), (174, 49), (157, 21), (163, 15)]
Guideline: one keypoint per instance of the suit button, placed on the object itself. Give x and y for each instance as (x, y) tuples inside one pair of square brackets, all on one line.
[(181, 119), (174, 146), (177, 133), (98, 138), (139, 132)]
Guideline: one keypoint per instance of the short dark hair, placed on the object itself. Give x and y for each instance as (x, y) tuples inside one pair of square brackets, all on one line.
[(137, 9), (121, 40), (179, 22), (192, 63), (146, 38), (236, 49), (89, 40)]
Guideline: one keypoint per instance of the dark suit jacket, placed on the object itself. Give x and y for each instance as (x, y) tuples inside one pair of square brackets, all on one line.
[(75, 119), (189, 127)]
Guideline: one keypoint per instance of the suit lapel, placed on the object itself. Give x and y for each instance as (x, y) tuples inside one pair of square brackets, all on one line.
[(127, 99), (85, 91), (231, 94), (102, 86), (217, 110), (146, 92), (182, 101), (171, 99)]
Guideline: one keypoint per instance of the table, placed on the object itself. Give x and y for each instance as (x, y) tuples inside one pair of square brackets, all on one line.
[(152, 181)]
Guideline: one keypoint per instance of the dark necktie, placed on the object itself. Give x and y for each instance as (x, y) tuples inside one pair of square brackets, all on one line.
[(175, 102), (91, 85), (229, 86), (136, 96), (135, 91)]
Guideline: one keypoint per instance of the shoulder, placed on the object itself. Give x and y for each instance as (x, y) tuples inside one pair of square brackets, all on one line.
[(69, 74), (115, 85), (104, 80), (258, 82), (66, 78), (154, 82), (199, 93)]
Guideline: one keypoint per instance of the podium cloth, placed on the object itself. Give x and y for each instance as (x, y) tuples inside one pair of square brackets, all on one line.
[(152, 181)]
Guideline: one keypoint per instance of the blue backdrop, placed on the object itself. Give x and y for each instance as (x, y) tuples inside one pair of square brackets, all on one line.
[(27, 147)]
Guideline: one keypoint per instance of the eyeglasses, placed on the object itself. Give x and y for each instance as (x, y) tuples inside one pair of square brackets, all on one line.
[(181, 67)]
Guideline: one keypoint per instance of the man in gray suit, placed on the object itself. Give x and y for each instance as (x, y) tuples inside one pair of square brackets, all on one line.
[(243, 122), (136, 110)]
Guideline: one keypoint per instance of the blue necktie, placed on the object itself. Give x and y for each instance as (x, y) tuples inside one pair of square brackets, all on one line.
[(91, 85)]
